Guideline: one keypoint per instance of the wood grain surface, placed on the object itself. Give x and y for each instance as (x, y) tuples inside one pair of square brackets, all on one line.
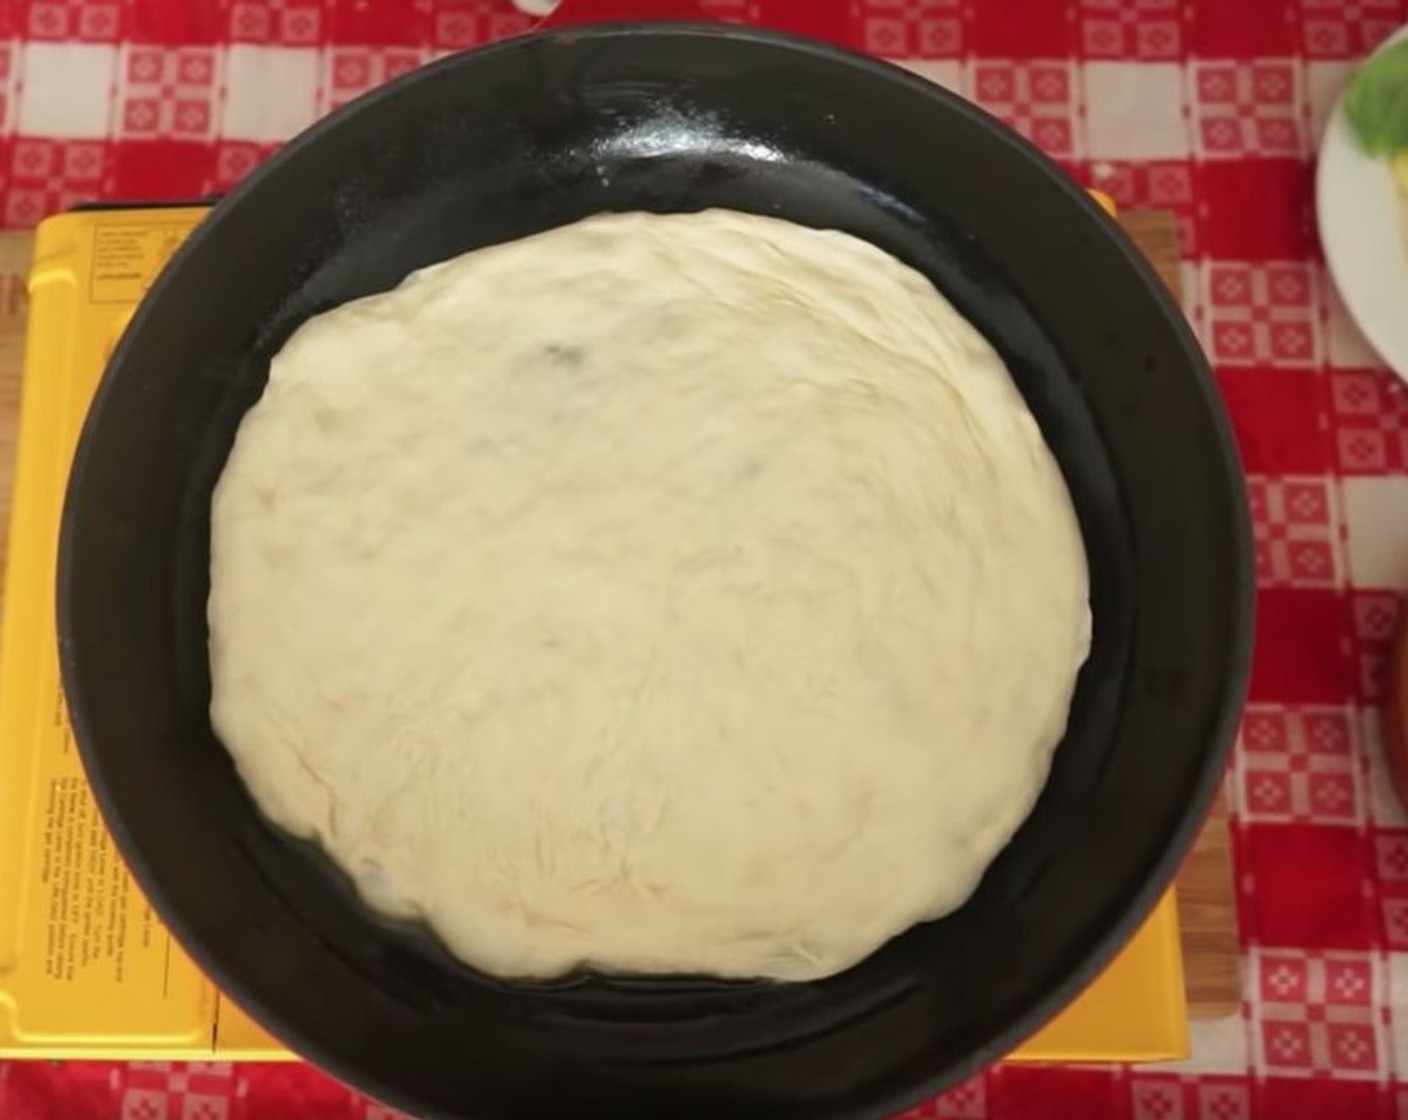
[(1207, 908), (15, 247)]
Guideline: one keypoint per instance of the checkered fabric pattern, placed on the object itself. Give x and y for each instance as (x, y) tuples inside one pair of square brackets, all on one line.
[(1208, 108)]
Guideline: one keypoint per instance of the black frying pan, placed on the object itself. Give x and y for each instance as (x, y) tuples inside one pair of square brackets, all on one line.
[(528, 134)]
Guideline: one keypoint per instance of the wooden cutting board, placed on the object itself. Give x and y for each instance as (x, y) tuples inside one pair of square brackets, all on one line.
[(1207, 910), (1207, 907)]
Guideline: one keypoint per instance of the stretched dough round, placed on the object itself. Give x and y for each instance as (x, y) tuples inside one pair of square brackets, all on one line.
[(685, 593)]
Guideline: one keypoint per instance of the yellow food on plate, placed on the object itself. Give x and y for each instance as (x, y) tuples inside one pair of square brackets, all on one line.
[(1399, 167)]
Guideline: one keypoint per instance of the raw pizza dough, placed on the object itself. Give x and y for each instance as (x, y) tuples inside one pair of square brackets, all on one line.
[(686, 593)]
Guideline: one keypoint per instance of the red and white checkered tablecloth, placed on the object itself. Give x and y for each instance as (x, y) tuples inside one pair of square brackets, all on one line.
[(1210, 108)]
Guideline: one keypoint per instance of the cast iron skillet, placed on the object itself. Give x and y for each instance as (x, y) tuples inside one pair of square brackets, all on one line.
[(528, 134)]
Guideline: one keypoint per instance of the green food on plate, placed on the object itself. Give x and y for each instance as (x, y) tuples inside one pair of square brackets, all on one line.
[(1377, 101)]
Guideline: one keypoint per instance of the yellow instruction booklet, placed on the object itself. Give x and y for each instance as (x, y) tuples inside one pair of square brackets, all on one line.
[(86, 967)]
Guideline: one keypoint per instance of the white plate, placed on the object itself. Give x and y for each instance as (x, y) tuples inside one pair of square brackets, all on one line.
[(1357, 210)]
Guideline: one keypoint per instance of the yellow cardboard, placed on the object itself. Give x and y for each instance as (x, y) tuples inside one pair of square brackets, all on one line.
[(86, 968)]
